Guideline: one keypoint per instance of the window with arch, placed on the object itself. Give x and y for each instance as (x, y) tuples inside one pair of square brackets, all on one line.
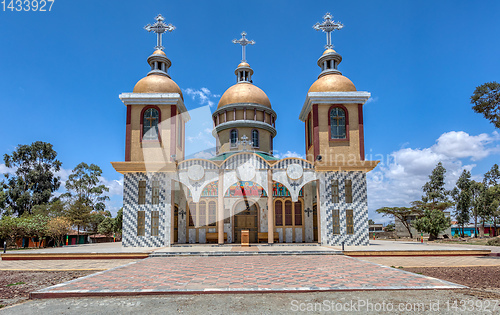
[(234, 138), (255, 138), (338, 127), (150, 124)]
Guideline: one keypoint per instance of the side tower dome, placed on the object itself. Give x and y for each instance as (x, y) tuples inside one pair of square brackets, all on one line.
[(244, 119)]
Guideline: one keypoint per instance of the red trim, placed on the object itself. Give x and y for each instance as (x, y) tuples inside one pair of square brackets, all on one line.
[(315, 131), (346, 123), (173, 130), (128, 133), (361, 133), (142, 123)]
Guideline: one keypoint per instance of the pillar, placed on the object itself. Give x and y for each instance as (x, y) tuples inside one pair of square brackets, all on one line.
[(318, 207), (220, 208), (270, 208), (172, 209)]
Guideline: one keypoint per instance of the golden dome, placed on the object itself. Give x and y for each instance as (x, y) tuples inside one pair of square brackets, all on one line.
[(243, 64), (332, 83), (157, 84), (244, 92), (159, 52), (329, 51)]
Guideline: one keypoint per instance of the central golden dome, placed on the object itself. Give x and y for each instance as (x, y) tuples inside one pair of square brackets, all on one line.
[(155, 83), (244, 92), (332, 83)]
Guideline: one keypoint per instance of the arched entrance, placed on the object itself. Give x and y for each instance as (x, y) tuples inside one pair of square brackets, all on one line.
[(246, 218)]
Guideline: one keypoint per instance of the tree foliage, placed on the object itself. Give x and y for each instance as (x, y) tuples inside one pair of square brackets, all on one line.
[(57, 228), (486, 101), (106, 227), (402, 213), (462, 194), (433, 222), (34, 180), (78, 213), (434, 190), (84, 184), (118, 221)]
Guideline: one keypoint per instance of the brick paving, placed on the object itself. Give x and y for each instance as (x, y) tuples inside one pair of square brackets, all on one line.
[(242, 274)]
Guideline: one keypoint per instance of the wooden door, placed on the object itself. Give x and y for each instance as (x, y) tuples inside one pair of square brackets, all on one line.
[(246, 220), (315, 222)]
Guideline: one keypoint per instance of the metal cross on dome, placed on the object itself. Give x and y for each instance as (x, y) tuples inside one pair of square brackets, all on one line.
[(328, 26), (159, 28), (243, 41)]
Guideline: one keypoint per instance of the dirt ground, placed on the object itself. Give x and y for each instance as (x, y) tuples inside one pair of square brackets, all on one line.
[(484, 282), (15, 286)]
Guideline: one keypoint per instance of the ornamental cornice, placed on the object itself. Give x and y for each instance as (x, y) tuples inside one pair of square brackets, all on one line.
[(244, 124), (156, 99), (242, 106), (358, 97)]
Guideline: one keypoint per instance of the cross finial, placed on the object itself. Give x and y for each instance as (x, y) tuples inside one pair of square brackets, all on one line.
[(243, 41), (328, 26), (159, 28)]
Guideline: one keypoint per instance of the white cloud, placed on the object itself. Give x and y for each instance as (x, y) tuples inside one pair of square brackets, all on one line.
[(115, 186), (372, 100), (6, 170), (459, 144), (288, 154), (399, 178), (203, 95)]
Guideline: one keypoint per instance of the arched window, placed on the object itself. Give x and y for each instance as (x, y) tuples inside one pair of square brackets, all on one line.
[(234, 138), (338, 123), (255, 138), (150, 124)]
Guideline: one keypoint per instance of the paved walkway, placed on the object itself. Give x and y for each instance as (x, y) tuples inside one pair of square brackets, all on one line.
[(113, 247), (243, 274)]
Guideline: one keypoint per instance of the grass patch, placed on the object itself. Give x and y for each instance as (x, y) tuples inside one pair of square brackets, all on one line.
[(2, 306), (20, 282)]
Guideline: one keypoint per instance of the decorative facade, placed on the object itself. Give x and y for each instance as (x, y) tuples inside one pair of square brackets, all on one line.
[(169, 200)]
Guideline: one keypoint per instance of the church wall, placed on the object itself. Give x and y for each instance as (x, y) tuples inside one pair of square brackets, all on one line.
[(359, 207), (264, 139), (152, 150), (339, 150), (131, 207)]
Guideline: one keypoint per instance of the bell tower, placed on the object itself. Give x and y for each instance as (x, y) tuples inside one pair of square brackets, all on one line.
[(156, 114), (333, 110)]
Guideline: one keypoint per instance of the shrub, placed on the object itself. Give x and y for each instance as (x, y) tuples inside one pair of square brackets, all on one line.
[(494, 242)]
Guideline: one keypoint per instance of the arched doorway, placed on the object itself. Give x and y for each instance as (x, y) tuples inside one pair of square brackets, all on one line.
[(246, 218)]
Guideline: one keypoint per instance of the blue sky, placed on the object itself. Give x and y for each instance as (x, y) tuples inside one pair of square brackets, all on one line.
[(61, 73)]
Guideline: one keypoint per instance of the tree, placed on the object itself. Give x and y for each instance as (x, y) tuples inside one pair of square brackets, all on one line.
[(86, 195), (462, 195), (34, 180), (10, 229), (489, 198), (96, 217), (78, 213), (477, 189), (486, 100), (83, 184), (35, 227), (52, 209), (433, 222), (371, 222), (106, 227), (389, 227), (434, 191), (57, 228), (404, 215), (118, 221)]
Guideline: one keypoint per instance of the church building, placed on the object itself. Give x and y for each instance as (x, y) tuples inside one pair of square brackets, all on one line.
[(169, 200)]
